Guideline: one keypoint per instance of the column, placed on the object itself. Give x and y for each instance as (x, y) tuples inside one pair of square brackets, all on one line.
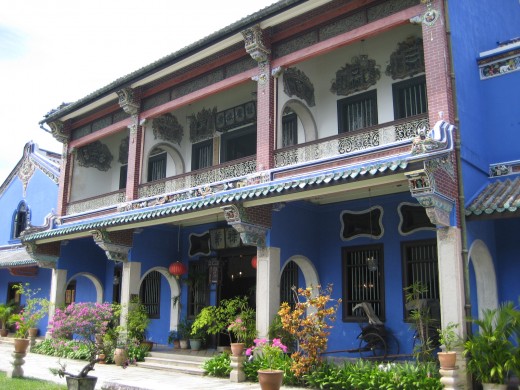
[(130, 285), (57, 293), (451, 284), (267, 288)]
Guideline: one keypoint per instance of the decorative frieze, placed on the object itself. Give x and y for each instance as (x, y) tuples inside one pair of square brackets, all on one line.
[(96, 203), (294, 44), (357, 76), (500, 64), (341, 26), (407, 60), (168, 128), (387, 8), (296, 82), (95, 155), (251, 234)]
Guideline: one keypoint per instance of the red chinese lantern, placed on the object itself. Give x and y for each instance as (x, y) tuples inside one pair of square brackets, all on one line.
[(177, 269), (253, 262)]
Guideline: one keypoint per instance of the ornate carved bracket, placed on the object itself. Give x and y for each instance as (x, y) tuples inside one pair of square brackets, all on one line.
[(127, 101), (58, 132), (423, 188), (431, 141), (45, 255), (254, 44), (114, 251), (250, 233)]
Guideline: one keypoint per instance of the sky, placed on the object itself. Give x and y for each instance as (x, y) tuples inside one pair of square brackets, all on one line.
[(55, 51)]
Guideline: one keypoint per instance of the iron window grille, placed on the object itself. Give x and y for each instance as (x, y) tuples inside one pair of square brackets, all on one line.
[(357, 112), (410, 97), (288, 280), (150, 294)]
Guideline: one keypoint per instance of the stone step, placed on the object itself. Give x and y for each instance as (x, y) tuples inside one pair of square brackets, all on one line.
[(177, 361), (184, 369)]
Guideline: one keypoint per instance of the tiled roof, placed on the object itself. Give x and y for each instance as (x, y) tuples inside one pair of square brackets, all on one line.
[(15, 256), (499, 197), (273, 188)]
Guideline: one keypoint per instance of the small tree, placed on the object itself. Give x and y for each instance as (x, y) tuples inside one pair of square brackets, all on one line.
[(34, 310), (309, 322)]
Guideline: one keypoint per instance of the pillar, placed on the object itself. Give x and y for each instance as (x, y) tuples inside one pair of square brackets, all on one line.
[(130, 284), (451, 284), (267, 288), (57, 296)]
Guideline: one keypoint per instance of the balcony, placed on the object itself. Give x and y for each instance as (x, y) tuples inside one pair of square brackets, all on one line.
[(243, 172)]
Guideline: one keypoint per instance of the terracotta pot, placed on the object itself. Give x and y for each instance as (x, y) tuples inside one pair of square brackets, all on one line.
[(270, 379), (101, 357), (176, 344), (4, 332), (120, 356), (447, 360), (21, 345), (86, 383), (33, 332), (237, 349)]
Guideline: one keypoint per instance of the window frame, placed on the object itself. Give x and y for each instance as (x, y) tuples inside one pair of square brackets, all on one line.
[(17, 226), (195, 150), (343, 122), (163, 156), (346, 301), (145, 299), (405, 274), (406, 84), (123, 172), (243, 132), (292, 121)]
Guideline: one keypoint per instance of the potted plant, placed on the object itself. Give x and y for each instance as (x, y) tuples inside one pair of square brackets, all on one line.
[(197, 337), (184, 331), (78, 381), (6, 313), (243, 330), (173, 338), (269, 356), (450, 339), (29, 317), (491, 353)]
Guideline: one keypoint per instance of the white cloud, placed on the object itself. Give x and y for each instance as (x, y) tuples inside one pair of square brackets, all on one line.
[(61, 50)]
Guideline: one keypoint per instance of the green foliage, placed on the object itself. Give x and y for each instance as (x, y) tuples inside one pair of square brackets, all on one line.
[(216, 319), (448, 337), (184, 329), (137, 320), (219, 365), (6, 314), (282, 362), (137, 352), (363, 375), (420, 315), (34, 310), (69, 349), (492, 353), (276, 331)]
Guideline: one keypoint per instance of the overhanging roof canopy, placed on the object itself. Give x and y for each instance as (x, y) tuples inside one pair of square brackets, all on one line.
[(499, 199)]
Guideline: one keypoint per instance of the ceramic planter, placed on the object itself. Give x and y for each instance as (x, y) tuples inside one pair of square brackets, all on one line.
[(195, 344), (183, 344), (493, 386), (33, 332), (270, 379), (21, 345), (447, 360), (237, 349), (86, 383)]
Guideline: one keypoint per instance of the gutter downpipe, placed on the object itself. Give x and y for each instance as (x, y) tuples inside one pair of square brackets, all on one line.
[(460, 183)]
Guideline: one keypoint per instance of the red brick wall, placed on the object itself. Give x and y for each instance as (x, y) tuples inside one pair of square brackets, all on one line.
[(65, 178), (265, 115)]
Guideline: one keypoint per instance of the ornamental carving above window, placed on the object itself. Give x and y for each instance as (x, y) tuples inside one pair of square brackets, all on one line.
[(407, 60), (202, 124), (168, 128), (95, 155), (296, 82), (359, 75)]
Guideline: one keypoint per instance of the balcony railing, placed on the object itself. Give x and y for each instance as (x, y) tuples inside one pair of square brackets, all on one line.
[(223, 172), (373, 137), (98, 202)]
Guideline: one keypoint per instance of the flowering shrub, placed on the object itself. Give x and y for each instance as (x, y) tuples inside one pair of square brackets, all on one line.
[(82, 319), (34, 310), (310, 327), (268, 352), (239, 329)]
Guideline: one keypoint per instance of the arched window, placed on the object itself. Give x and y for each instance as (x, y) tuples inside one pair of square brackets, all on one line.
[(150, 294), (20, 220), (157, 165)]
